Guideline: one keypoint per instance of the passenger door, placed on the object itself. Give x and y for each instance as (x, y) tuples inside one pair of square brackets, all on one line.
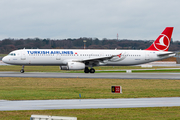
[(58, 57), (23, 55)]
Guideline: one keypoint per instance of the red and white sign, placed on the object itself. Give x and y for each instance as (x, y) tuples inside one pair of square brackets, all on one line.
[(116, 89)]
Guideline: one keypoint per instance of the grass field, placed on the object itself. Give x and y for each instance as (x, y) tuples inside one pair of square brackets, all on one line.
[(70, 88), (157, 113)]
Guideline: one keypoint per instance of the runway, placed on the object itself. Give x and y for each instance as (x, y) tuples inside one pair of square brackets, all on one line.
[(171, 76), (88, 103)]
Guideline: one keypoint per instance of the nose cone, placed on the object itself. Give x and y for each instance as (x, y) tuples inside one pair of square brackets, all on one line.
[(5, 59)]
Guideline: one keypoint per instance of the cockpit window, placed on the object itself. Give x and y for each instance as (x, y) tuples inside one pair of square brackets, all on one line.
[(12, 54)]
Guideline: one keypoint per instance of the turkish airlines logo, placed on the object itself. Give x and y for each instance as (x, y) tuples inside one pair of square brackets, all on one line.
[(162, 42), (119, 55)]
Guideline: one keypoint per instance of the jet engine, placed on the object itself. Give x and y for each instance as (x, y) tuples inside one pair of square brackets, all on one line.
[(73, 66)]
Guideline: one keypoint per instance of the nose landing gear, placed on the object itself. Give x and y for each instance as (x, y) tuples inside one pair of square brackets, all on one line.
[(22, 70)]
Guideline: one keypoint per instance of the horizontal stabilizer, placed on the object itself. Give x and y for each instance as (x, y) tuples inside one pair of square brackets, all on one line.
[(167, 54)]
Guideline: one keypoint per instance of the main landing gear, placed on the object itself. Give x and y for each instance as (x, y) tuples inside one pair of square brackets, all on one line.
[(86, 70), (22, 70)]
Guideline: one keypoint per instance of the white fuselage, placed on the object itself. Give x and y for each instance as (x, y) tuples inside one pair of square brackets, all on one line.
[(63, 56)]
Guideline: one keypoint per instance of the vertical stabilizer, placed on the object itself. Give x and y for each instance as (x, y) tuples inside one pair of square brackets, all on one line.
[(163, 41)]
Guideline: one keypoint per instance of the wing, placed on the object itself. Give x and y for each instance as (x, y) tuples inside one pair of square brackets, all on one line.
[(95, 59)]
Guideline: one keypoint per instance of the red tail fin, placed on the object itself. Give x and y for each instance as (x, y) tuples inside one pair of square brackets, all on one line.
[(163, 41)]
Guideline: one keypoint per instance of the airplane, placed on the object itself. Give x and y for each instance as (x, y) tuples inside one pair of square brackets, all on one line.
[(83, 59)]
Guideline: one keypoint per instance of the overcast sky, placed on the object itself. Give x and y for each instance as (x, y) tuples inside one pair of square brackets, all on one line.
[(61, 19)]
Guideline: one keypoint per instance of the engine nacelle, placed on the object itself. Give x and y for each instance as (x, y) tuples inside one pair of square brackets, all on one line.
[(73, 66)]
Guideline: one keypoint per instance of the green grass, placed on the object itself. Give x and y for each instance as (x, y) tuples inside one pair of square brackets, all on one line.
[(70, 88), (164, 70), (160, 113), (30, 68)]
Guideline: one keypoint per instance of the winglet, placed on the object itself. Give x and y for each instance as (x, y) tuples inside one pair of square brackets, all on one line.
[(163, 41)]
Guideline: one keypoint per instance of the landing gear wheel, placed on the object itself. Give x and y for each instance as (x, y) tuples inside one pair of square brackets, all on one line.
[(92, 70), (22, 71), (86, 70)]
